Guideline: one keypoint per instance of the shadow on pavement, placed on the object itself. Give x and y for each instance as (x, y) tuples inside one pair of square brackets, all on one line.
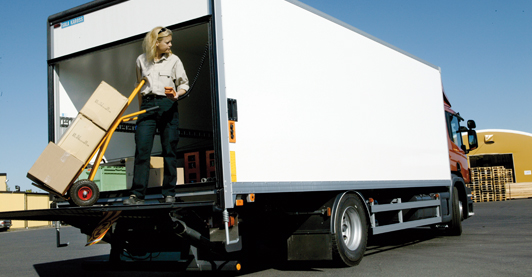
[(376, 244), (100, 266), (390, 241)]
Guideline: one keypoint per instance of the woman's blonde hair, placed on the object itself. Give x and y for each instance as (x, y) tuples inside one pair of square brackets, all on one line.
[(150, 40)]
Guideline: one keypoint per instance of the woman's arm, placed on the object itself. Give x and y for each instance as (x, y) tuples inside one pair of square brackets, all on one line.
[(180, 78), (139, 77), (181, 92)]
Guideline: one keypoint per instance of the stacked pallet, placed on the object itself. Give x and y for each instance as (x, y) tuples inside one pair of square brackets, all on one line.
[(518, 190), (489, 183)]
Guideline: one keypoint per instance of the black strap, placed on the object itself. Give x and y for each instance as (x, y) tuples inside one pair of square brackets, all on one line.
[(197, 73)]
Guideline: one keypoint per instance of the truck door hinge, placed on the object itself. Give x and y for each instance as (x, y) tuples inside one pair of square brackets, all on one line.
[(232, 111)]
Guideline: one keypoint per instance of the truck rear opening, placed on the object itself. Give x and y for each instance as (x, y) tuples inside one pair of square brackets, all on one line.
[(76, 77)]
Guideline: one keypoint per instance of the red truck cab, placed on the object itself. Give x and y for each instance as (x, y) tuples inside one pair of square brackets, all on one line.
[(460, 173), (457, 149)]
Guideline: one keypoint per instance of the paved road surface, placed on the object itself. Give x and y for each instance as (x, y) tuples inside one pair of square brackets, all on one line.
[(497, 241)]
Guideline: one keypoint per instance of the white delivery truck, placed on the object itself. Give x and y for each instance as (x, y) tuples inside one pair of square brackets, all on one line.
[(301, 131)]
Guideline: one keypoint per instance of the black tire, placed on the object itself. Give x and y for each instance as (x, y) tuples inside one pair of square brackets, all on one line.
[(84, 193), (351, 231), (455, 226)]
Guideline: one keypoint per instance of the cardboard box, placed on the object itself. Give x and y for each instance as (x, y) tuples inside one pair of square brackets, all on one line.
[(104, 106), (156, 177), (180, 176), (156, 172), (55, 168), (81, 138), (156, 162)]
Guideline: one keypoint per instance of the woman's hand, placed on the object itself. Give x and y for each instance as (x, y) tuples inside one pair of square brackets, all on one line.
[(170, 93)]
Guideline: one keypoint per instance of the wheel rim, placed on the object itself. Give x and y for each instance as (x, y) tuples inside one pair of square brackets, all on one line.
[(85, 193), (351, 228), (461, 208)]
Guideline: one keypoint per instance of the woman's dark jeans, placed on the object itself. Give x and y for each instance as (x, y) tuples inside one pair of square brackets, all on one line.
[(166, 120)]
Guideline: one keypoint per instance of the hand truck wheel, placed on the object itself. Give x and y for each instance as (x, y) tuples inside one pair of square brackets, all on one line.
[(84, 193)]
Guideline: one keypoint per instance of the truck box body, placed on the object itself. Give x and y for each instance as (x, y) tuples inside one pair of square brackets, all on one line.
[(321, 105), (321, 102)]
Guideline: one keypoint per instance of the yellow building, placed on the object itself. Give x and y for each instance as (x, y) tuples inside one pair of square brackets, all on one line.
[(511, 149), (20, 201), (3, 182)]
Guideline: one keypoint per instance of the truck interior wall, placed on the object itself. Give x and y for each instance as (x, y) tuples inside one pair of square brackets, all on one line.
[(78, 77), (318, 102)]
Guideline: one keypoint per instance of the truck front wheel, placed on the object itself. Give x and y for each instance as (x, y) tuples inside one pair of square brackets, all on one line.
[(455, 226), (351, 231)]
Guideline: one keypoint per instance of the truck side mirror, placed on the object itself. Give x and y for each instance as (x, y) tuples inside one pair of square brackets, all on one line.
[(471, 124), (472, 138)]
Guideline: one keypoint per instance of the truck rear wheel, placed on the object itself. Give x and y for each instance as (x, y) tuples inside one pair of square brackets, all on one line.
[(84, 193), (351, 231), (455, 226)]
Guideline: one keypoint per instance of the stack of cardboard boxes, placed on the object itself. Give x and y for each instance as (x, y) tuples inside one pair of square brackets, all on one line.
[(60, 164)]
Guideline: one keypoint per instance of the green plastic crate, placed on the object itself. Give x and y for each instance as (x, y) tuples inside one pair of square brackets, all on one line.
[(107, 178)]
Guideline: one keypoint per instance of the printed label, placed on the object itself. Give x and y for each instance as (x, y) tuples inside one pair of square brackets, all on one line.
[(73, 21)]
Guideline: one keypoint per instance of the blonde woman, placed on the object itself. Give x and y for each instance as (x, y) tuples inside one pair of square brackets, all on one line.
[(166, 80)]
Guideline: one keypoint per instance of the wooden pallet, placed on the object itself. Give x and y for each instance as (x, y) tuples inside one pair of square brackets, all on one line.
[(518, 190), (489, 183)]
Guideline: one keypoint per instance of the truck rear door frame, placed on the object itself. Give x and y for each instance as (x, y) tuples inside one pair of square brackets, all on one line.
[(218, 99)]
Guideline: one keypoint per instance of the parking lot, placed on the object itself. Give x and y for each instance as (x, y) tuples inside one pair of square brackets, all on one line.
[(497, 241)]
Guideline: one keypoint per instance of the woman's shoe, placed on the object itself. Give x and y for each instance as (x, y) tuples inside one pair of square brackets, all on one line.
[(133, 200)]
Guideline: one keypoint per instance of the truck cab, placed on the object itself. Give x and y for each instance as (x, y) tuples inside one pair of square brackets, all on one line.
[(457, 155), (457, 149)]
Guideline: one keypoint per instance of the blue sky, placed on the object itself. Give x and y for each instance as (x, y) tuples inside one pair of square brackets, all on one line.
[(484, 48)]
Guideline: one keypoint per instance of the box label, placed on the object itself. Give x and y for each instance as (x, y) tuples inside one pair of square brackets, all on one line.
[(104, 106), (73, 21), (82, 138)]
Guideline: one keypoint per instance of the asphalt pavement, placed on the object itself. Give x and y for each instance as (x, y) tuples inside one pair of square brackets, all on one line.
[(496, 241)]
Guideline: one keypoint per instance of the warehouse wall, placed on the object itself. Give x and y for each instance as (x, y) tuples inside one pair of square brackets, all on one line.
[(3, 183), (508, 142), (18, 201), (13, 202)]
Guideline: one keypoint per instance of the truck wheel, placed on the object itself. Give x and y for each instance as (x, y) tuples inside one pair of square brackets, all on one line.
[(84, 193), (455, 226), (351, 231)]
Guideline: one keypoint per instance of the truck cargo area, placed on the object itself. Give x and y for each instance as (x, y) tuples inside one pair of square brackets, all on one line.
[(76, 76)]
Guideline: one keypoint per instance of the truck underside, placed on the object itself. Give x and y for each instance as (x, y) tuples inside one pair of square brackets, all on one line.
[(330, 225)]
